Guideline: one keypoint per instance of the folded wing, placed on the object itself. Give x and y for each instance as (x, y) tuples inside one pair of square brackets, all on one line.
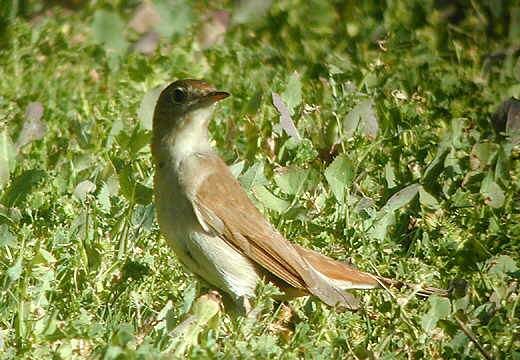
[(223, 207)]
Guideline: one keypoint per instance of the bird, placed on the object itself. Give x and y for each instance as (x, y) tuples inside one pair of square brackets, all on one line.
[(213, 227)]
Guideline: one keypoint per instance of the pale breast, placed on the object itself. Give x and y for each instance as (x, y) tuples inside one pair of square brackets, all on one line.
[(222, 265), (204, 254)]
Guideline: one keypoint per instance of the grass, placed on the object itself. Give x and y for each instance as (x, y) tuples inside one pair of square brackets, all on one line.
[(399, 171)]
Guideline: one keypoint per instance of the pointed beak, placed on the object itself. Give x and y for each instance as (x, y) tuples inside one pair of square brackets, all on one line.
[(215, 96)]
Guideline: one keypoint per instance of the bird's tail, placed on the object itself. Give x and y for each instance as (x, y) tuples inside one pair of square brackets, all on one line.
[(346, 277)]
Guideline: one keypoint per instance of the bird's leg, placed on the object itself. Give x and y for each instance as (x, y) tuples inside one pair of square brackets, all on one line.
[(237, 306), (245, 305)]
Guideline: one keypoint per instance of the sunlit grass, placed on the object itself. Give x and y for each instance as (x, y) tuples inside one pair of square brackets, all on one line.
[(399, 171)]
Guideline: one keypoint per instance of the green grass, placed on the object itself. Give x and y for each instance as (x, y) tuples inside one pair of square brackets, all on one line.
[(84, 271)]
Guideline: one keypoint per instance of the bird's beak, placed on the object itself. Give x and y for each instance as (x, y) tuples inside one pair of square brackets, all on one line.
[(215, 96)]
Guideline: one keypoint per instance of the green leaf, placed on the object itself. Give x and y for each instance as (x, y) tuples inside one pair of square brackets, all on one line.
[(104, 198), (459, 341), (205, 307), (503, 264), (292, 96), (436, 166), (440, 308), (269, 200), (132, 190), (513, 117), (15, 271), (401, 198), (126, 183), (236, 169), (43, 257), (253, 176), (390, 175), (7, 157), (457, 128), (188, 296), (12, 215), (140, 69), (363, 118), (124, 335), (49, 258), (108, 29), (139, 141), (202, 316), (286, 122), (493, 194), (163, 314), (339, 175), (143, 194), (460, 199), (302, 151), (6, 237), (111, 352), (266, 346), (176, 17), (473, 178), (83, 189), (21, 186), (115, 130), (33, 128), (250, 10), (113, 185), (134, 270), (427, 200), (453, 162), (482, 154), (291, 180), (382, 223), (144, 214), (502, 167)]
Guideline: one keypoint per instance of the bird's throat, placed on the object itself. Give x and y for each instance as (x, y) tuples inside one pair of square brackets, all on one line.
[(188, 136)]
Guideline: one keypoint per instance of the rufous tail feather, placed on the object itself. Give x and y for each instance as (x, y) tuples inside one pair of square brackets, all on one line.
[(348, 277)]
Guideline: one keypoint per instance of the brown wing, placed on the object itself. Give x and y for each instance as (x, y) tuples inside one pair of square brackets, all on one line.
[(222, 205)]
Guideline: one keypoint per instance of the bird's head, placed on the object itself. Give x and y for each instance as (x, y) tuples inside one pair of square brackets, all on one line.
[(185, 101)]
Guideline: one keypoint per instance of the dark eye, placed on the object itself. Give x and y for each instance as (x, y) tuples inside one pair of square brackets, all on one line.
[(179, 95)]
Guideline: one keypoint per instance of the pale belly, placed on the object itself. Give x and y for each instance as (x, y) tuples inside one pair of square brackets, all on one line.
[(207, 256)]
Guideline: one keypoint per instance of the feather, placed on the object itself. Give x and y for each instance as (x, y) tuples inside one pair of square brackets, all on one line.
[(221, 205)]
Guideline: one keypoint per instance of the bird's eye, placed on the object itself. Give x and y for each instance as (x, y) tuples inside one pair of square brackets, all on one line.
[(179, 95)]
